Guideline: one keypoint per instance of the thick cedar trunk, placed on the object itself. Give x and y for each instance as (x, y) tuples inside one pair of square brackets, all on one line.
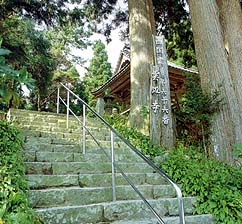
[(141, 53), (215, 75), (231, 21)]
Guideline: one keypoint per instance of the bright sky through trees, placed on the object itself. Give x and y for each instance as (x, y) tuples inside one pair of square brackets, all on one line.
[(113, 50)]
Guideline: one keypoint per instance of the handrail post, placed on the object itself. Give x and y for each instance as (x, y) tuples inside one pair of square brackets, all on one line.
[(58, 101), (84, 130), (113, 167), (180, 202), (181, 208), (67, 109)]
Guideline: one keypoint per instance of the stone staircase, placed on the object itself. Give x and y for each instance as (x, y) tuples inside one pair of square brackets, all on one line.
[(68, 187)]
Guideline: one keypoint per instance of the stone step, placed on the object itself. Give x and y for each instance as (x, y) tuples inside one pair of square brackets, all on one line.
[(77, 149), (70, 145), (48, 124), (45, 156), (47, 146), (195, 219), (91, 180), (40, 181), (49, 134), (71, 196), (56, 168), (29, 140), (22, 116), (101, 135), (113, 211), (136, 178), (32, 140)]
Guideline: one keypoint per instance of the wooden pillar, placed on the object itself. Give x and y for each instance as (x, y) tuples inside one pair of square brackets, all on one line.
[(161, 122)]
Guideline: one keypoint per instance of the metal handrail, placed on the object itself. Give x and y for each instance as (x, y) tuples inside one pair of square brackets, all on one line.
[(131, 146)]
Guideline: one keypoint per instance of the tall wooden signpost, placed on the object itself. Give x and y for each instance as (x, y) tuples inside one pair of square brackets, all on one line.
[(161, 123)]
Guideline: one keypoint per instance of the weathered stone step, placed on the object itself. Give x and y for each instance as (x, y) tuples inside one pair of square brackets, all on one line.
[(48, 133), (83, 196), (45, 181), (73, 148), (45, 156), (22, 116), (112, 211), (33, 145), (47, 168), (91, 180), (31, 140), (50, 123), (70, 145), (195, 219), (106, 179)]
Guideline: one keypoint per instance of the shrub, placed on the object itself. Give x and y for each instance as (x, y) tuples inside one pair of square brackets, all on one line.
[(193, 111), (138, 139), (14, 205), (217, 185)]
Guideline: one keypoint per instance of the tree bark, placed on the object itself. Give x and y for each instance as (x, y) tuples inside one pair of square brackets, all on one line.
[(214, 69), (141, 53), (231, 21)]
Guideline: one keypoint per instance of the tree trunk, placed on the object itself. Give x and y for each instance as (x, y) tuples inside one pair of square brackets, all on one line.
[(215, 75), (231, 21), (141, 54)]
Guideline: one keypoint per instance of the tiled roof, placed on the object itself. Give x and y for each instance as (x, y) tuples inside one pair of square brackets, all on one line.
[(117, 74)]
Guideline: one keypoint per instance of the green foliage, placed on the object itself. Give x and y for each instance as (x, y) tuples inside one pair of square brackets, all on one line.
[(51, 12), (145, 111), (193, 112), (30, 49), (237, 152), (12, 81), (173, 21), (99, 71), (14, 206), (217, 185), (138, 139), (77, 106), (63, 40), (44, 50)]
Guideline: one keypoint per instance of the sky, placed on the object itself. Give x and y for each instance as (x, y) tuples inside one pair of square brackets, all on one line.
[(113, 48)]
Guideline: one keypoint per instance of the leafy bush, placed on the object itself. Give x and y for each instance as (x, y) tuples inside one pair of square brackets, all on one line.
[(14, 206), (12, 81), (217, 185), (237, 152), (138, 139), (193, 111)]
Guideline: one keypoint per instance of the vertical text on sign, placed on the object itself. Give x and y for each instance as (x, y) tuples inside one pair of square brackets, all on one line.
[(160, 82)]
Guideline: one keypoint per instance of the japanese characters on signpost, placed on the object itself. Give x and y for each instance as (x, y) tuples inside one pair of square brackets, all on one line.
[(161, 120)]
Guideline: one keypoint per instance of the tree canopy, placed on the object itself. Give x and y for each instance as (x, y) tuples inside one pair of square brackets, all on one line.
[(40, 35), (99, 70), (11, 82), (172, 19)]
